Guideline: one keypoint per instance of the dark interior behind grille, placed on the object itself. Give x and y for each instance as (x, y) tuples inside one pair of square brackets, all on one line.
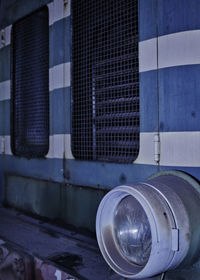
[(105, 80), (30, 85)]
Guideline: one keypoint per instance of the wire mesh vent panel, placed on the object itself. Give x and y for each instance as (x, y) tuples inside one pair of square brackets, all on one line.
[(105, 80), (30, 85)]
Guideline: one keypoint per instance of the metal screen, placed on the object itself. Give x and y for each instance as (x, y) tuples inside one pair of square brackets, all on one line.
[(30, 85), (105, 80)]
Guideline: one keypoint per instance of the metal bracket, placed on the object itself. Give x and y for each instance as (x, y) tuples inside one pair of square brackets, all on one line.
[(157, 148), (175, 239)]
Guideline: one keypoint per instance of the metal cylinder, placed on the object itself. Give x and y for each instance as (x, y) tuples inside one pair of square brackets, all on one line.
[(150, 227)]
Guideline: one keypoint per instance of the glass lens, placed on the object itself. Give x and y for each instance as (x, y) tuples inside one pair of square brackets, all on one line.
[(132, 231)]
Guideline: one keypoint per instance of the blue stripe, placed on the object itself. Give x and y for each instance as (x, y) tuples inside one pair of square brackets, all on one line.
[(82, 173), (147, 19), (5, 64), (60, 41), (179, 98), (148, 102), (60, 47), (60, 111), (170, 16), (46, 169), (106, 175), (91, 174), (5, 117), (178, 15)]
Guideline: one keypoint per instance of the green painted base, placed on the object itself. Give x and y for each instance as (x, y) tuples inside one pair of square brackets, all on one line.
[(70, 204)]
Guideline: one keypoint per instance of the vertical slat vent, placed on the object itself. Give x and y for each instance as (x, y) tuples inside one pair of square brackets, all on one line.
[(105, 80), (30, 85)]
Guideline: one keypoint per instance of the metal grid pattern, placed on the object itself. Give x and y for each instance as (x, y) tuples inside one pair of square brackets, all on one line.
[(30, 85), (105, 80)]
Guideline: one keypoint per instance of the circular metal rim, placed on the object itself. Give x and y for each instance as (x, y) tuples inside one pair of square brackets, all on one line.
[(174, 193), (133, 271)]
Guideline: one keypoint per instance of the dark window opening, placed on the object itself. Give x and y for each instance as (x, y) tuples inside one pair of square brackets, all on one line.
[(105, 80), (30, 85)]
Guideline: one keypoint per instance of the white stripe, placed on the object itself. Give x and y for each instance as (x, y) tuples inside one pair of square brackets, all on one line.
[(175, 49), (177, 148), (5, 147), (56, 146), (148, 55), (5, 90), (8, 145), (8, 35), (60, 146), (58, 10), (51, 13), (5, 34), (146, 151), (179, 49), (180, 148), (59, 76)]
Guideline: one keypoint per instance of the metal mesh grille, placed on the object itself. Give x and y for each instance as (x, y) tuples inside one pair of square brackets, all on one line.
[(105, 123), (30, 85)]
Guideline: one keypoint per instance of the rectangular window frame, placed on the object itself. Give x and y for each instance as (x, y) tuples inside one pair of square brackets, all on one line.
[(32, 141), (80, 149)]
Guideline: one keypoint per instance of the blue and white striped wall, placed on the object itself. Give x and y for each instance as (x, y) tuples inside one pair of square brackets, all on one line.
[(169, 60), (169, 73), (60, 98)]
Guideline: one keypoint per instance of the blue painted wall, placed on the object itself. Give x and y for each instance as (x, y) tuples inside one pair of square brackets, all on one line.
[(162, 17), (169, 101), (60, 41), (5, 63), (147, 19), (179, 89), (177, 15), (70, 190)]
